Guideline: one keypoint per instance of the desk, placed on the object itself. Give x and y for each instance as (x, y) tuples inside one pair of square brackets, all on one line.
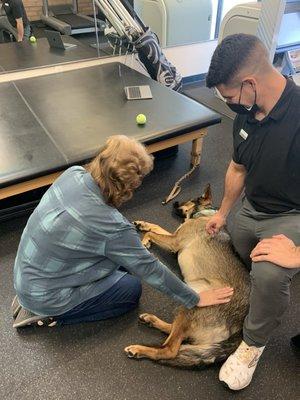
[(49, 123)]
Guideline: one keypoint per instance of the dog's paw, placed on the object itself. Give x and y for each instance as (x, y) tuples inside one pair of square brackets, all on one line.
[(133, 351), (142, 226), (146, 241), (147, 319)]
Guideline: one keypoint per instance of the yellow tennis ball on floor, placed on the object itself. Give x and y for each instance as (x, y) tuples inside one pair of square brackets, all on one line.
[(32, 39), (141, 119)]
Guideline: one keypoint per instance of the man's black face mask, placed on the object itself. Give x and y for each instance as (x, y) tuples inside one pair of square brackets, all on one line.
[(241, 109)]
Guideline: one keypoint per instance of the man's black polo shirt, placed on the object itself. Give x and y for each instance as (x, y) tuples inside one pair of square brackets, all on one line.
[(14, 9), (271, 154)]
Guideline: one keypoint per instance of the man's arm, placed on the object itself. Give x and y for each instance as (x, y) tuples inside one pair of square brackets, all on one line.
[(17, 11), (127, 250), (234, 186), (20, 29)]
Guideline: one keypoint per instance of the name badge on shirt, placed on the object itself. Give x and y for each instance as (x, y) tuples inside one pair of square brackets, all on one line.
[(243, 134)]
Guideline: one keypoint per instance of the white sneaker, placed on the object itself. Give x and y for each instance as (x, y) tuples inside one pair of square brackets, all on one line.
[(238, 369)]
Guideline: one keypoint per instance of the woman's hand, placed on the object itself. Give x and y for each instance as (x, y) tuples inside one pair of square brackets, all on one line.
[(215, 296), (278, 250), (215, 223)]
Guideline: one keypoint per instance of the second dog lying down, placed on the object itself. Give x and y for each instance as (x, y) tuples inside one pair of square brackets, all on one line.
[(199, 336)]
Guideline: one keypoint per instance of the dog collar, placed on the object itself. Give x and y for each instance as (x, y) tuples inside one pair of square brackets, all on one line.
[(205, 212)]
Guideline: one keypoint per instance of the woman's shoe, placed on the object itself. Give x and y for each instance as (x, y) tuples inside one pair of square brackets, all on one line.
[(15, 307), (26, 317)]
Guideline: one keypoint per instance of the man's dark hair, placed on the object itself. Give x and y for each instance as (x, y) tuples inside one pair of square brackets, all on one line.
[(231, 56)]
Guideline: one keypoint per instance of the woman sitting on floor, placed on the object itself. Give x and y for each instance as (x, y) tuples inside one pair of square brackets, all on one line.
[(77, 248)]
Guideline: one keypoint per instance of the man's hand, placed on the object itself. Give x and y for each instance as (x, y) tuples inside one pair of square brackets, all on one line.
[(215, 223), (215, 296), (278, 250)]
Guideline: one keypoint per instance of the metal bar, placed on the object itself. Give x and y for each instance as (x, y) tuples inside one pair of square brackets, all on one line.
[(218, 18), (75, 6), (111, 15), (132, 12), (124, 14), (96, 28), (46, 8)]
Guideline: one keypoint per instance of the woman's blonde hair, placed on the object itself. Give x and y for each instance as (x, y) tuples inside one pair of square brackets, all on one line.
[(119, 168)]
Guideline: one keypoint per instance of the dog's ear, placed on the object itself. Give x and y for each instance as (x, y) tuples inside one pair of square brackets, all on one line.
[(206, 199), (207, 195), (175, 204)]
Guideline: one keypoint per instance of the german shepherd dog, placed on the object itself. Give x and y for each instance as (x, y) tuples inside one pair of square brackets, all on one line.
[(199, 336)]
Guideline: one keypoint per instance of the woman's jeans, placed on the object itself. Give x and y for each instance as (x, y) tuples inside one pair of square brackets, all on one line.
[(122, 297)]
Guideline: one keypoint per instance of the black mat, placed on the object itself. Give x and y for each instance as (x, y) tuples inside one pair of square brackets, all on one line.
[(78, 110), (16, 56), (86, 362), (24, 144), (75, 21)]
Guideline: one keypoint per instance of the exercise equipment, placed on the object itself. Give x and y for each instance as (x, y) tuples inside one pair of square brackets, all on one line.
[(66, 19), (125, 24)]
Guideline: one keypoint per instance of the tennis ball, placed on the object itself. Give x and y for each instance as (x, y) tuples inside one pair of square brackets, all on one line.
[(141, 119), (32, 39)]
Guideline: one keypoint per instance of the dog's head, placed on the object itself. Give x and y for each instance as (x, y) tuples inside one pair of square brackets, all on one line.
[(192, 208)]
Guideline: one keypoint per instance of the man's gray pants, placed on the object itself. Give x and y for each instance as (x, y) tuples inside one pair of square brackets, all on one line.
[(270, 284)]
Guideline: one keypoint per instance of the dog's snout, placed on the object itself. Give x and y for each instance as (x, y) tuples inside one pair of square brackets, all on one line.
[(179, 212), (177, 209)]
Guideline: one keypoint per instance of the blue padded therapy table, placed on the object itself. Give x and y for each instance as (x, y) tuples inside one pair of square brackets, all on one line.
[(51, 122)]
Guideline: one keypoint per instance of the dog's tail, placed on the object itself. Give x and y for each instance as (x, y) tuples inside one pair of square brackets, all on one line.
[(196, 357)]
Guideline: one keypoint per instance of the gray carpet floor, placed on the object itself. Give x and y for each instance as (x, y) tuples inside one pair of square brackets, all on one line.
[(87, 361)]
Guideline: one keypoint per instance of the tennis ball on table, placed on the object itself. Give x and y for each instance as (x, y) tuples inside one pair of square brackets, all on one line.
[(32, 39), (141, 119)]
